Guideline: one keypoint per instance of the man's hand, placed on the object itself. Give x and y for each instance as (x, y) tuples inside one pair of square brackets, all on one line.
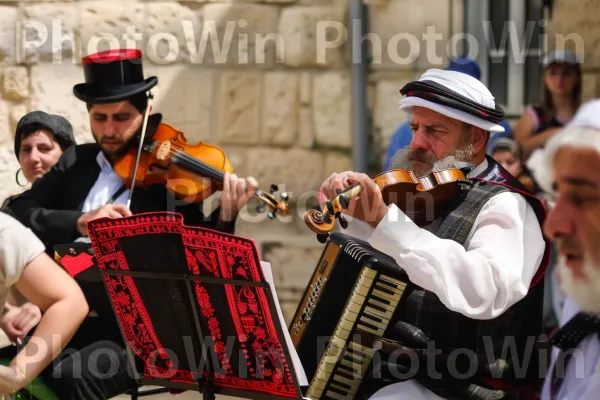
[(18, 321), (368, 206), (235, 194), (109, 210)]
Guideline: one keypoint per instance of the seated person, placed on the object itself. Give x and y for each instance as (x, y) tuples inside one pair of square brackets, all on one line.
[(478, 268), (25, 266), (84, 185)]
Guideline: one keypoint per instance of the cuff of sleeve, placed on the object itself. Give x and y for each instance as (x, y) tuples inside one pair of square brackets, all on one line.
[(396, 231), (357, 228)]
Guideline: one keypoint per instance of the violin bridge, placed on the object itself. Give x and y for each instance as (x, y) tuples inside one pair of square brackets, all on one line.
[(162, 153)]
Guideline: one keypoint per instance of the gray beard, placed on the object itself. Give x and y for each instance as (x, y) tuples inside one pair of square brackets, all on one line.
[(454, 159)]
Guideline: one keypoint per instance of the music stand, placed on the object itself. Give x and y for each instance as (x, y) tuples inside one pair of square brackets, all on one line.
[(193, 307)]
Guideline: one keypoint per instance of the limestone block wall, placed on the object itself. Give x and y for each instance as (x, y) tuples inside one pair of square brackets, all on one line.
[(268, 80)]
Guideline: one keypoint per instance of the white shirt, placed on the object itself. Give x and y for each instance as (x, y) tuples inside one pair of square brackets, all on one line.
[(582, 377), (106, 185), (19, 246), (503, 252)]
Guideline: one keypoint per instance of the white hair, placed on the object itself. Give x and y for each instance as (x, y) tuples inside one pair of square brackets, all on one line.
[(541, 162)]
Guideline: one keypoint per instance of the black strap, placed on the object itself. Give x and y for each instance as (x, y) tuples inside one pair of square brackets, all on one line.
[(116, 194)]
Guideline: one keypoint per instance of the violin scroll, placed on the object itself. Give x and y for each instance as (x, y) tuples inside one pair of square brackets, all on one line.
[(322, 221), (268, 200)]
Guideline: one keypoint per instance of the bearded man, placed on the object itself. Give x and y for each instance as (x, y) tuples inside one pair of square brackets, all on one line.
[(478, 266), (569, 169)]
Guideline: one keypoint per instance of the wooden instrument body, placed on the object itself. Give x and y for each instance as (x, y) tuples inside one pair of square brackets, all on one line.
[(422, 199), (167, 162)]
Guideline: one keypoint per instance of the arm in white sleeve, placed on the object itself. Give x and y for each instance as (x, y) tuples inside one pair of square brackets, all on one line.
[(495, 270), (356, 228)]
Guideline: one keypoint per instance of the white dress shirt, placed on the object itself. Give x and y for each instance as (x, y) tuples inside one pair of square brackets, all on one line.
[(582, 377), (503, 252), (106, 185)]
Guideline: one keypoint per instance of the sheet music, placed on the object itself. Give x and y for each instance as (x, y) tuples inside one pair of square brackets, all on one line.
[(301, 375)]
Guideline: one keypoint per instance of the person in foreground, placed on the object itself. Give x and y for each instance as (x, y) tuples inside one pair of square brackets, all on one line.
[(479, 268), (569, 169), (84, 186), (24, 265)]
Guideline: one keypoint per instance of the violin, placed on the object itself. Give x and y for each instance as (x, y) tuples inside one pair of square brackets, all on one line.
[(189, 172), (422, 199)]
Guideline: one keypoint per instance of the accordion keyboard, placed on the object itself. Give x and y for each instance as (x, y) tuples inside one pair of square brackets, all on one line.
[(349, 353)]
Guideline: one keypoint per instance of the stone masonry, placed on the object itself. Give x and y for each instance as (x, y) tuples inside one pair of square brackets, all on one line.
[(268, 80), (255, 77)]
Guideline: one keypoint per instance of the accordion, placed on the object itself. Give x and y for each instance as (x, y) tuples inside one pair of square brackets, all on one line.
[(353, 299)]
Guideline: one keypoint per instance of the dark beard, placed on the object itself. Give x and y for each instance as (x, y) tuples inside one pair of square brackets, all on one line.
[(133, 143), (418, 161)]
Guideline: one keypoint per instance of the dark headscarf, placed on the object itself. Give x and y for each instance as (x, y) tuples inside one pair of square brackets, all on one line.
[(35, 120)]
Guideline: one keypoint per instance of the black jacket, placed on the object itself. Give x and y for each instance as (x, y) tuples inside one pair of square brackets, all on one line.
[(53, 204)]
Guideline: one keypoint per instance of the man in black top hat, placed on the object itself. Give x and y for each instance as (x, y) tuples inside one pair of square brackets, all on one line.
[(84, 185)]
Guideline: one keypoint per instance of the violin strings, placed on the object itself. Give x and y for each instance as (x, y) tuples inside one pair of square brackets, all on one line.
[(178, 156)]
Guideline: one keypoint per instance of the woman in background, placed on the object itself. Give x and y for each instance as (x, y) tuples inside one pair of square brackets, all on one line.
[(40, 140), (560, 99)]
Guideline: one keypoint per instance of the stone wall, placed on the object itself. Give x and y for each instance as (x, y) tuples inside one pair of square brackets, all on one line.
[(279, 104)]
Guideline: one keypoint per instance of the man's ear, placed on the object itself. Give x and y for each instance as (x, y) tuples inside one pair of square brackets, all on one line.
[(480, 139)]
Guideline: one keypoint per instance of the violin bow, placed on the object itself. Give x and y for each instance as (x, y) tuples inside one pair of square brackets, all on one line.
[(139, 151)]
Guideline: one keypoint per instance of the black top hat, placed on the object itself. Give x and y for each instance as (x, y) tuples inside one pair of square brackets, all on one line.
[(112, 76)]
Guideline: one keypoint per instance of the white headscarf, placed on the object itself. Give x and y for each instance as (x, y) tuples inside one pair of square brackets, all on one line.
[(583, 131), (462, 84)]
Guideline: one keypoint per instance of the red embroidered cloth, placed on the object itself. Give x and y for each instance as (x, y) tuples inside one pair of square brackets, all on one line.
[(154, 314)]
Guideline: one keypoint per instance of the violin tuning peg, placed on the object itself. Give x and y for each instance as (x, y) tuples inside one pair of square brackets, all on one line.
[(271, 215), (322, 238), (274, 188), (343, 222), (284, 196)]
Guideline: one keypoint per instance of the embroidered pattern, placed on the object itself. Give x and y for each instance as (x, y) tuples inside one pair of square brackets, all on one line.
[(252, 358)]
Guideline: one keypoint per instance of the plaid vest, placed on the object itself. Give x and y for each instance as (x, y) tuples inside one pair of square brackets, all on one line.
[(518, 328)]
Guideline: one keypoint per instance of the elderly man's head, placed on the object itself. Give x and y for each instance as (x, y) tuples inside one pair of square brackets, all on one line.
[(569, 168), (452, 115), (437, 137)]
